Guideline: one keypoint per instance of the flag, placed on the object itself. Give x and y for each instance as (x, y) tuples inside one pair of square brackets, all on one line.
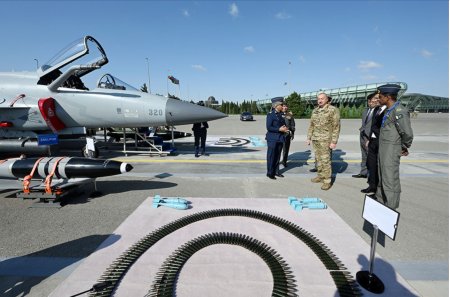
[(174, 80)]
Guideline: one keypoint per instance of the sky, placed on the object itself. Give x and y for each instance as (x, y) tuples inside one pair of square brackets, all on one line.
[(240, 50)]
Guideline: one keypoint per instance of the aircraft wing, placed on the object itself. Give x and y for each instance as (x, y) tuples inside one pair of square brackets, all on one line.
[(20, 116)]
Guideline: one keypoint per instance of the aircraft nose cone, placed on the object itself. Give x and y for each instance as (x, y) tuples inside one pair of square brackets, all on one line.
[(182, 113)]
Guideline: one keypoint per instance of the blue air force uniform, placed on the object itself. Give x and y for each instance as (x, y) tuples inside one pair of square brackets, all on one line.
[(275, 140)]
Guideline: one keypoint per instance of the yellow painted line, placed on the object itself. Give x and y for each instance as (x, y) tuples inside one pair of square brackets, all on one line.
[(423, 161), (212, 161), (187, 161)]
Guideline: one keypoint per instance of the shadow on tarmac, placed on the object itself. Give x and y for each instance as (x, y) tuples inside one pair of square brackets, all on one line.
[(189, 149), (120, 186), (388, 277), (297, 160), (19, 275), (181, 148), (338, 165), (116, 186)]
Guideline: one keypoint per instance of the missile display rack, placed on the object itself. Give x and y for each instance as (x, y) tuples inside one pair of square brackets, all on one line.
[(38, 192), (57, 193)]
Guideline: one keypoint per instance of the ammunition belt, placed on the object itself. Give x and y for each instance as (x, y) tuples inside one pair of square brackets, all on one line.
[(343, 280), (164, 284)]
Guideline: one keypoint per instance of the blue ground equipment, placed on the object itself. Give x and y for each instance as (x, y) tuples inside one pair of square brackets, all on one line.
[(177, 203), (307, 202)]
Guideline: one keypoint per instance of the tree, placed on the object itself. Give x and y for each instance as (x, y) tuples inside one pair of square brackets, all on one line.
[(308, 111), (296, 105), (254, 108)]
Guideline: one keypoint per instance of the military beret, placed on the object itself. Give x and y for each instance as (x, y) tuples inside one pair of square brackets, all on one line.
[(276, 103), (277, 99), (389, 89)]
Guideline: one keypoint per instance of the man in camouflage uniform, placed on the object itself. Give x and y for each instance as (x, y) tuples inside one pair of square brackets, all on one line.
[(396, 137), (323, 132)]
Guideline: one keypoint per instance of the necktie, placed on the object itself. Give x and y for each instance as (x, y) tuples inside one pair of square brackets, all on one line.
[(369, 115)]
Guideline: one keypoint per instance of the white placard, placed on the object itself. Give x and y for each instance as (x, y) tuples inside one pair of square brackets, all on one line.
[(385, 218), (90, 144)]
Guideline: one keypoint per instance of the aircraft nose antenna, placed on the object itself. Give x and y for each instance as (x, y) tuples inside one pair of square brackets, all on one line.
[(182, 113)]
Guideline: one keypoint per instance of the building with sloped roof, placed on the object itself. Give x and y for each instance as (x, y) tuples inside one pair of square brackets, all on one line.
[(356, 95), (425, 103)]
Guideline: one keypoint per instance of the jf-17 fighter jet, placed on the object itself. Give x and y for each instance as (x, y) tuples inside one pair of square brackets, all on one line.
[(55, 101)]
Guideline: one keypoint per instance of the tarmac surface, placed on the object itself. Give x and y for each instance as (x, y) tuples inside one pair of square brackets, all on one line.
[(41, 247)]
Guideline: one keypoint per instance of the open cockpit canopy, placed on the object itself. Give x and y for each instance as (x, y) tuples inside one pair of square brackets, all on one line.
[(88, 54)]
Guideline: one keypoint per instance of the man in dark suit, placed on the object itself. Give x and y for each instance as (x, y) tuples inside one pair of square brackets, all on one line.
[(200, 132), (364, 132), (276, 128), (373, 144), (200, 137), (290, 123)]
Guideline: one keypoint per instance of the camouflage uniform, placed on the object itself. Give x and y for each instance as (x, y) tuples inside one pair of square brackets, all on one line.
[(323, 130)]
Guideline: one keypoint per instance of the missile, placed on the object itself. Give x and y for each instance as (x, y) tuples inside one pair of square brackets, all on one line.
[(66, 167)]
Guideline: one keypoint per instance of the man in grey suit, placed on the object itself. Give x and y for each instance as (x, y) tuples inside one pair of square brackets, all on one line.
[(364, 136)]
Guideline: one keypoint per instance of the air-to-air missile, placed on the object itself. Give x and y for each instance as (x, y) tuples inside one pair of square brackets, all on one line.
[(54, 100), (63, 167)]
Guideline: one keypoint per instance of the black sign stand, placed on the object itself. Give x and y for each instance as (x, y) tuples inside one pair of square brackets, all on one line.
[(367, 279), (386, 220)]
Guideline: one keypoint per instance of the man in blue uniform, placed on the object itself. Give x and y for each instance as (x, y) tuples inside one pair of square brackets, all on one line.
[(396, 137), (276, 128)]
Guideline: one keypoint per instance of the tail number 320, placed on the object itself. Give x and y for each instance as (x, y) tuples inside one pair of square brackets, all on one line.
[(155, 112)]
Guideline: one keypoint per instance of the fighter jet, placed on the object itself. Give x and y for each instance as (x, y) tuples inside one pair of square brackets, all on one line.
[(55, 101)]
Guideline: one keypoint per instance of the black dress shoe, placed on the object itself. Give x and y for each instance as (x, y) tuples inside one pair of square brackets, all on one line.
[(359, 175), (270, 176), (368, 190), (279, 175), (284, 164), (313, 170)]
